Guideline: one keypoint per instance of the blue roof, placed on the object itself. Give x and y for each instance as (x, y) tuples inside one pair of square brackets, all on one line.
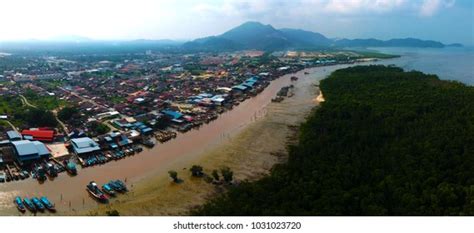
[(41, 148), (173, 114), (240, 87), (84, 145), (146, 130), (13, 135), (27, 150), (252, 79), (249, 84), (25, 147)]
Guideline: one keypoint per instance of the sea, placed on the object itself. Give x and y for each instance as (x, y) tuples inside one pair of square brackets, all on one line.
[(449, 63)]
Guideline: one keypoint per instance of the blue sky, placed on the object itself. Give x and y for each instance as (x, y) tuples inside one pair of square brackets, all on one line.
[(444, 20)]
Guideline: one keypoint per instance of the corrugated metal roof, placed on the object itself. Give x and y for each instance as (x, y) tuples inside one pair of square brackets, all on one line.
[(13, 135), (84, 145), (25, 147), (27, 150), (41, 148)]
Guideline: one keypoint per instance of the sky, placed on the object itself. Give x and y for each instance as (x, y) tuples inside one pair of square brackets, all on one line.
[(447, 21)]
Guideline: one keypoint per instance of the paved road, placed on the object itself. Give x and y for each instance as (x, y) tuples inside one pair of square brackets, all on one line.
[(11, 125), (25, 101)]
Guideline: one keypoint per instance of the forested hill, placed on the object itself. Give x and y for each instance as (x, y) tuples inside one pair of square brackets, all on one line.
[(385, 142)]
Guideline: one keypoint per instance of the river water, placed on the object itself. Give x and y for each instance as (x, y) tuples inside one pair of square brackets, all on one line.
[(449, 63)]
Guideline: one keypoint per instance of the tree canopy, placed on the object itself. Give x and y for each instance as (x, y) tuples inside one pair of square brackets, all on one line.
[(385, 142)]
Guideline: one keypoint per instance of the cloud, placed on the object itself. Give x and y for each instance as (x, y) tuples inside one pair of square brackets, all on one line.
[(431, 7), (363, 6)]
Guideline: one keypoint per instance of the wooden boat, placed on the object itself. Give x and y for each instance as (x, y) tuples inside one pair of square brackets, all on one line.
[(118, 185), (49, 205), (40, 173), (29, 204), (148, 143), (38, 204), (71, 167), (51, 169), (108, 189), (94, 190), (19, 204)]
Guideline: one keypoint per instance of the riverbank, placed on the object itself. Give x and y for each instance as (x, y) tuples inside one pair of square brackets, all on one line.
[(250, 154), (387, 142)]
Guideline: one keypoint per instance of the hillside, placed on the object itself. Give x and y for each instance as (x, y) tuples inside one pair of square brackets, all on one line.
[(255, 35), (385, 142)]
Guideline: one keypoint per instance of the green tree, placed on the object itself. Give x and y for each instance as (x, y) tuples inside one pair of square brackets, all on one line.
[(197, 171), (112, 213), (227, 174), (66, 113), (215, 174), (174, 176)]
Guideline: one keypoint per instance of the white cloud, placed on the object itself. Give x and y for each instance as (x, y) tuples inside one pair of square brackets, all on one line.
[(358, 6), (431, 7)]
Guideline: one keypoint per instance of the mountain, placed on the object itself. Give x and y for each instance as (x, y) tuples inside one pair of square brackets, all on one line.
[(306, 38), (255, 35), (69, 38), (250, 35)]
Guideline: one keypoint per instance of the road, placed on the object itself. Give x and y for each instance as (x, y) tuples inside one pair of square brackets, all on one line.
[(25, 101)]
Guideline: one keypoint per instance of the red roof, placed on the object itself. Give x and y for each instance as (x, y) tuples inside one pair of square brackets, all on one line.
[(41, 135)]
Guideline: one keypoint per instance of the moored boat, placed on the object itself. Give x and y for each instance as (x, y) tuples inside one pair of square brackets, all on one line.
[(51, 169), (94, 190), (148, 143), (108, 189), (38, 204), (19, 204), (47, 204), (118, 185), (40, 173), (71, 167), (29, 204)]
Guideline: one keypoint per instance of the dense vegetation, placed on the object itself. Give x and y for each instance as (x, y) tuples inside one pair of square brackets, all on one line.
[(385, 142)]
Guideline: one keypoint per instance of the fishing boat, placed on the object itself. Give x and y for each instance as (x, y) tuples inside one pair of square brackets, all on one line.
[(94, 190), (38, 204), (40, 173), (118, 185), (148, 143), (71, 167), (108, 189), (19, 204), (51, 170), (49, 205), (137, 149), (121, 184), (29, 204)]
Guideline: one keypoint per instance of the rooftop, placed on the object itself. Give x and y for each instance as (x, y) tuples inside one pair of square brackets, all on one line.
[(84, 145)]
